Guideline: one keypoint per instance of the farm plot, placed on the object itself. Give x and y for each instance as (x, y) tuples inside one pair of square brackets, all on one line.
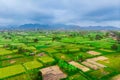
[(49, 50), (46, 60), (5, 52), (52, 73), (76, 77), (62, 56), (16, 61), (93, 53), (113, 62), (107, 50), (117, 77), (11, 71), (11, 56), (23, 76), (83, 54), (92, 62), (100, 74), (32, 65), (81, 67)]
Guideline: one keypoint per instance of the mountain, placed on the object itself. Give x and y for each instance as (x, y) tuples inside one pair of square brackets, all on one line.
[(57, 27), (49, 27), (65, 27)]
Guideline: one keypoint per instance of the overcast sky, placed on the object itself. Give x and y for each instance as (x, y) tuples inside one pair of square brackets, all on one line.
[(80, 12)]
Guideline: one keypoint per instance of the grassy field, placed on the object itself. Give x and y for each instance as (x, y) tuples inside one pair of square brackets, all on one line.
[(32, 65), (11, 71), (5, 52), (24, 53)]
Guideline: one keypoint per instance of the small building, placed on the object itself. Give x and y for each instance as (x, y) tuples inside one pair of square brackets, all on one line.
[(52, 73)]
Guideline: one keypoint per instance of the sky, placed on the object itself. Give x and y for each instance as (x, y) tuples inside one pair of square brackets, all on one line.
[(75, 12)]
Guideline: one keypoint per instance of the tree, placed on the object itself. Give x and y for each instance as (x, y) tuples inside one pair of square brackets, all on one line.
[(36, 40), (114, 47), (98, 37), (90, 37), (55, 38), (69, 68), (83, 49), (80, 56)]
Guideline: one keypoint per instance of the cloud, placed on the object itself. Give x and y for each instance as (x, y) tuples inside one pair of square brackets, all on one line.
[(93, 23), (60, 11), (104, 14)]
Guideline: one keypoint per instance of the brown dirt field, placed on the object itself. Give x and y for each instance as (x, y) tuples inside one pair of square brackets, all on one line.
[(93, 53), (94, 67), (117, 77), (12, 62), (52, 73), (92, 62), (81, 67)]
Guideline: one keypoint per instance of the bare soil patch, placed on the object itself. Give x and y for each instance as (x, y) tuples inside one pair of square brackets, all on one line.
[(93, 53), (81, 67)]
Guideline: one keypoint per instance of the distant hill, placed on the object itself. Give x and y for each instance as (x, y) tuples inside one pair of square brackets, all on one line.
[(58, 27), (49, 27), (65, 27)]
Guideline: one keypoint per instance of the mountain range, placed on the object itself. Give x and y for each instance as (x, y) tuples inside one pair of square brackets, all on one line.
[(56, 27)]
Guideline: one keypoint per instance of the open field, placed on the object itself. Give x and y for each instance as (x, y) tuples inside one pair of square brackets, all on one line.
[(80, 55)]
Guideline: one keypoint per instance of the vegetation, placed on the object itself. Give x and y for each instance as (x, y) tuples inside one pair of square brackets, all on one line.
[(32, 65), (24, 53), (11, 71)]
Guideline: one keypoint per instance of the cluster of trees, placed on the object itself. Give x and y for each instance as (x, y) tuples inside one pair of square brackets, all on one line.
[(35, 40), (117, 35), (96, 37), (84, 49), (21, 48), (27, 50), (67, 67), (79, 58), (56, 38), (9, 46), (28, 40), (116, 47)]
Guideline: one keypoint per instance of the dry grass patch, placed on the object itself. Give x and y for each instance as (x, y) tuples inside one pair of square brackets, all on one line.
[(93, 53), (92, 62), (90, 65), (117, 77), (52, 73), (81, 67)]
